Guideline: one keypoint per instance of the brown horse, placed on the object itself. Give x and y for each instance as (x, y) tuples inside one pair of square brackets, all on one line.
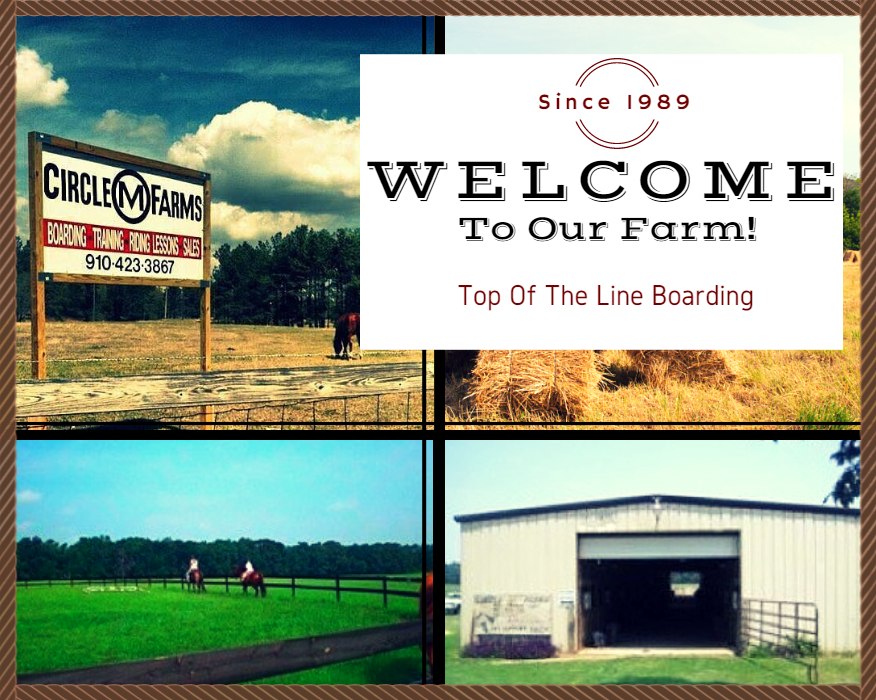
[(254, 579), (197, 578), (345, 328)]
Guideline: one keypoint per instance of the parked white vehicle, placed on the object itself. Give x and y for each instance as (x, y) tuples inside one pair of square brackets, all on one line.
[(452, 601)]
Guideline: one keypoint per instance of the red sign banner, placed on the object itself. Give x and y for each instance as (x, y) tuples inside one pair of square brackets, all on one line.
[(66, 234)]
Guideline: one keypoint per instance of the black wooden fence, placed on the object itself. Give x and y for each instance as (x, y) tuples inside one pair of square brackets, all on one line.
[(230, 581)]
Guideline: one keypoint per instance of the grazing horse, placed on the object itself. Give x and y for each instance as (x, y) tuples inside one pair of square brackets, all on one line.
[(254, 579), (426, 609), (346, 327), (197, 578)]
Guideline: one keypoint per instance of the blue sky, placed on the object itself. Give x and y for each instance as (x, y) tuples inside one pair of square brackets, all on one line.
[(293, 491), (269, 106), (677, 35), (430, 498), (494, 475)]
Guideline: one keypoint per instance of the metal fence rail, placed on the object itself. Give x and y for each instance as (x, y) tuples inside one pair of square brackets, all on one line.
[(789, 629)]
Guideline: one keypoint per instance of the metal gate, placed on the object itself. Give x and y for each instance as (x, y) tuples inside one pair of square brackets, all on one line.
[(789, 630)]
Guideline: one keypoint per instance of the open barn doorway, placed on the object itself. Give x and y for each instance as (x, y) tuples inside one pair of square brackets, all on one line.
[(659, 591)]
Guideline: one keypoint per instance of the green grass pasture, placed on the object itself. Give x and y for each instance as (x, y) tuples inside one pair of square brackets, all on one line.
[(654, 671), (64, 627)]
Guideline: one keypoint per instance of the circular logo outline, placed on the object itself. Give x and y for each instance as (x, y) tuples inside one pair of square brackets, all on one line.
[(616, 145), (115, 187)]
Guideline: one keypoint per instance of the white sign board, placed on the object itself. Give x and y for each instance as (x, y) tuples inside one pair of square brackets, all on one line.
[(109, 218), (585, 201), (512, 614)]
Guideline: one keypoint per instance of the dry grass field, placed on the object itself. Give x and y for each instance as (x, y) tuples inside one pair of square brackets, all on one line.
[(80, 349), (780, 386)]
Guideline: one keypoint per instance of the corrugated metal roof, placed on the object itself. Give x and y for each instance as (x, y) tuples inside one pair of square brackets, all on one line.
[(630, 500)]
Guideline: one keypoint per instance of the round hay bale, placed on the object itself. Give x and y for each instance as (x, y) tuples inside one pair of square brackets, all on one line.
[(711, 366), (527, 382), (852, 256)]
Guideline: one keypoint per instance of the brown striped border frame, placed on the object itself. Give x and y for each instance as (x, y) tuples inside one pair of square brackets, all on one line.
[(762, 8)]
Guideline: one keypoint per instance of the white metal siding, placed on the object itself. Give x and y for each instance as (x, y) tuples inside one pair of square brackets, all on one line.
[(785, 555)]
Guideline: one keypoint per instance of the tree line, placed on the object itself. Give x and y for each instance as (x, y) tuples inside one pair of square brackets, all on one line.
[(851, 213), (306, 277), (100, 557), (451, 572)]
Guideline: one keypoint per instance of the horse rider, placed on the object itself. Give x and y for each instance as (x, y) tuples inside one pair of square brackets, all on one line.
[(193, 566), (247, 570)]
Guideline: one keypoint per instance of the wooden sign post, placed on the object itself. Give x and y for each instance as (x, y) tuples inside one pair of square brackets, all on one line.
[(103, 217)]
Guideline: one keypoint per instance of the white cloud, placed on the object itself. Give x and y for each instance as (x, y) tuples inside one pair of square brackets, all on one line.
[(22, 209), (34, 83), (28, 496), (302, 68), (263, 159), (349, 504), (238, 224), (149, 128)]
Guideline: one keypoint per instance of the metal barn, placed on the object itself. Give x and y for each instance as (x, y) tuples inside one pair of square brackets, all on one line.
[(668, 571)]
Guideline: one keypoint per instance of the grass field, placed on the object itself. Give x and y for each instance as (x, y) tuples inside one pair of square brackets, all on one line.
[(785, 386), (103, 349), (658, 671), (65, 627), (396, 584)]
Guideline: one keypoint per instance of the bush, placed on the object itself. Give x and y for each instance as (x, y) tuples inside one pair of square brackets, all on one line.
[(790, 648), (800, 647), (514, 649), (760, 651), (851, 229), (852, 200), (535, 649), (484, 650)]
